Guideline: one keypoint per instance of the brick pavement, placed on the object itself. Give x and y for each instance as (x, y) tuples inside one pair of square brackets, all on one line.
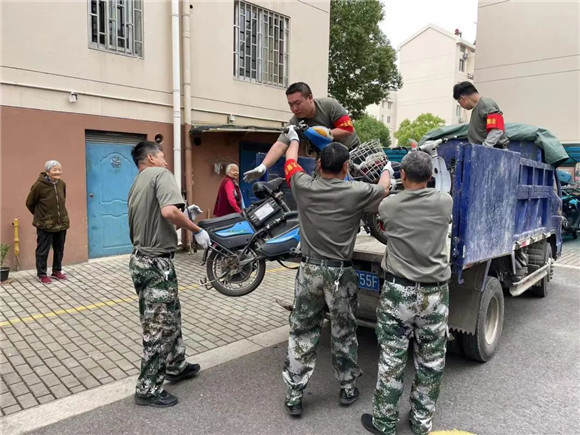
[(570, 252), (70, 336)]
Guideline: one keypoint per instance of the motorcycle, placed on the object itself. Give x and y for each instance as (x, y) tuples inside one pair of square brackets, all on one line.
[(571, 210), (269, 231)]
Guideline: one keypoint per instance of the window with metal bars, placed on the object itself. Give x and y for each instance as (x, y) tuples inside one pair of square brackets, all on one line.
[(260, 45), (116, 25)]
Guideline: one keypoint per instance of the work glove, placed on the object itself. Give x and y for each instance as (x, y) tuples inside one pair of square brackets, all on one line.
[(389, 167), (292, 133), (192, 212), (202, 239), (255, 173)]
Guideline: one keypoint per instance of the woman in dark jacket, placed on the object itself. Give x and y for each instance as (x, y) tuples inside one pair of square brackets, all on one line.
[(47, 202)]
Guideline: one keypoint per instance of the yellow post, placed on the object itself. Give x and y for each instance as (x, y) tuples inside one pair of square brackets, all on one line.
[(16, 248)]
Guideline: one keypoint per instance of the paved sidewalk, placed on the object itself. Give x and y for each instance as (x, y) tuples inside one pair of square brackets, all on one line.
[(570, 253), (70, 336)]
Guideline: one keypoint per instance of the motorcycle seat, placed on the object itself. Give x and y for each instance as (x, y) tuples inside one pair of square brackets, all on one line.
[(222, 219)]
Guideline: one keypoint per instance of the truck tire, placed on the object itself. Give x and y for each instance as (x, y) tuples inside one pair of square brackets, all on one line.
[(482, 345), (541, 254)]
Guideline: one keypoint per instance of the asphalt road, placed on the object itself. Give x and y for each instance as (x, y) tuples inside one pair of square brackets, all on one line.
[(529, 387)]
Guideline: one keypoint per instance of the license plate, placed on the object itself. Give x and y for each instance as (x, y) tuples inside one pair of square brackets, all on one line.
[(368, 281)]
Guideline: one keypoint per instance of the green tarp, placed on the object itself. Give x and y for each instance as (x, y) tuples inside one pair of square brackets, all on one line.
[(554, 151)]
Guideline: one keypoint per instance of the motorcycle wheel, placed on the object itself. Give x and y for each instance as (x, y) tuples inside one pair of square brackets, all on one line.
[(372, 223), (227, 277)]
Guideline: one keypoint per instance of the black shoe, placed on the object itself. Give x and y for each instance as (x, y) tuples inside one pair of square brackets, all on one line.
[(188, 372), (294, 410), (348, 399), (163, 400), (367, 422)]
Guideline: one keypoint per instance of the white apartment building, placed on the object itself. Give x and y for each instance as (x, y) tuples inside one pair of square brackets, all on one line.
[(386, 112), (431, 62), (81, 81)]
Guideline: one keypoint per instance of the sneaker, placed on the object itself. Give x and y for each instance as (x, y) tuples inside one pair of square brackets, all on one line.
[(295, 410), (348, 398), (163, 400), (58, 275), (367, 422), (188, 372), (45, 279)]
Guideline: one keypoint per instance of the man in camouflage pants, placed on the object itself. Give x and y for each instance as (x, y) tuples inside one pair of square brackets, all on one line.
[(330, 210), (414, 300), (154, 202)]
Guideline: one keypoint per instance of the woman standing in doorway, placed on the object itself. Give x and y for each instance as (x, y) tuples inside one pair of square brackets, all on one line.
[(47, 202), (229, 197)]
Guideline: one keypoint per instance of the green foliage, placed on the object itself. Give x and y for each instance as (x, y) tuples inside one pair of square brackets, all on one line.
[(418, 128), (368, 128), (4, 248), (361, 68)]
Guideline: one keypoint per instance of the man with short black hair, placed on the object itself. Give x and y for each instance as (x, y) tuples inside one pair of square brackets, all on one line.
[(329, 210), (154, 212), (414, 301), (326, 115), (486, 126)]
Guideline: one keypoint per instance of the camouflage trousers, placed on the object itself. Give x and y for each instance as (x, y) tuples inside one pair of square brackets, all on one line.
[(404, 313), (160, 312), (317, 287)]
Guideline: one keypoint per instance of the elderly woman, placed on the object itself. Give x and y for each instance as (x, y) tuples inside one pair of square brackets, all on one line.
[(229, 198), (47, 202)]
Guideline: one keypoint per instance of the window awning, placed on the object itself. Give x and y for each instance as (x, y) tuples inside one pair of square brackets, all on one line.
[(199, 129)]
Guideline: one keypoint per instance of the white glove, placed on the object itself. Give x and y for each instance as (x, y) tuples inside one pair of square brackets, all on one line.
[(202, 239), (291, 133), (255, 173), (388, 167), (192, 212)]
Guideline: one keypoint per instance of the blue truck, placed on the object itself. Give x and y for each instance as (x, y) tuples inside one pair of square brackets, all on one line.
[(504, 237)]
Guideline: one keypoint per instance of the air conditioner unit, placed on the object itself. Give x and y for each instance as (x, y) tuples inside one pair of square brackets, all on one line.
[(470, 76), (466, 55)]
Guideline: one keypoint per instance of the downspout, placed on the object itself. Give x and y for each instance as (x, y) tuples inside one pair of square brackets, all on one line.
[(187, 108), (175, 61)]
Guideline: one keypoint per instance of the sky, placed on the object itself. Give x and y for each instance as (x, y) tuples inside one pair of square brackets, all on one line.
[(403, 18)]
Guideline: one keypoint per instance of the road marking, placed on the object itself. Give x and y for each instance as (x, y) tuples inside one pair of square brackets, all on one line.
[(96, 305)]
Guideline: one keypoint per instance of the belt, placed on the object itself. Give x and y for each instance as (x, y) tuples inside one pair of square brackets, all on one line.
[(140, 254), (389, 277), (327, 263)]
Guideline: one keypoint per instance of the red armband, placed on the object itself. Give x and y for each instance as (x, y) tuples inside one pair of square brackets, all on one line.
[(495, 121), (290, 168), (344, 123)]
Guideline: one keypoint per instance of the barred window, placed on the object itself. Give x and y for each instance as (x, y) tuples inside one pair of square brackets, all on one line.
[(117, 25), (260, 45)]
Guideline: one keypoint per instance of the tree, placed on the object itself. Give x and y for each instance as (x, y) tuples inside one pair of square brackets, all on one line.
[(362, 66), (369, 128), (423, 124)]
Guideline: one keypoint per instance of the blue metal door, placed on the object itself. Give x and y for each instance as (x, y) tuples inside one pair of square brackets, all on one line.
[(110, 174)]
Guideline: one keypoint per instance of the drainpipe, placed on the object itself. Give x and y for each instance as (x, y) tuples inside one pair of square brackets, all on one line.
[(187, 107), (175, 61)]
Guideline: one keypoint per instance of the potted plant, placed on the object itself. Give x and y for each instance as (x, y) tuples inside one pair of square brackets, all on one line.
[(4, 271)]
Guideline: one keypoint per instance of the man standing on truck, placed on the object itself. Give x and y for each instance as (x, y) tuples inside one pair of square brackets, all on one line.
[(324, 115), (486, 126), (326, 275), (414, 300)]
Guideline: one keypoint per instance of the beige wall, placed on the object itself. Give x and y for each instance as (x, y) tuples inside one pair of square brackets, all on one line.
[(429, 65), (528, 60), (50, 57)]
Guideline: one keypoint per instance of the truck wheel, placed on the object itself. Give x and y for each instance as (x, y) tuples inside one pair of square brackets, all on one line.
[(482, 345), (541, 254)]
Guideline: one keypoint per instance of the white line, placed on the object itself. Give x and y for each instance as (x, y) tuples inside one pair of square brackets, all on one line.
[(567, 266), (85, 401)]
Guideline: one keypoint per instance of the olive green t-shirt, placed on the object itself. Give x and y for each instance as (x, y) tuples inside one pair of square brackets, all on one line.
[(477, 131), (328, 111), (416, 224), (330, 211), (153, 189)]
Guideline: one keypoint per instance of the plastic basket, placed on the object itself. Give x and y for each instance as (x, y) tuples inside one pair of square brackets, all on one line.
[(367, 161)]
